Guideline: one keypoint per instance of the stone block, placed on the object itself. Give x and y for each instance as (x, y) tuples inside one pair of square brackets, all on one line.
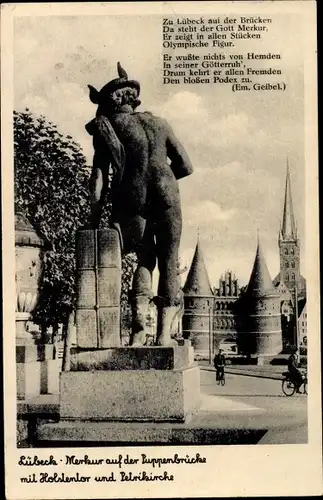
[(28, 379), (133, 358), (109, 326), (86, 327), (130, 395)]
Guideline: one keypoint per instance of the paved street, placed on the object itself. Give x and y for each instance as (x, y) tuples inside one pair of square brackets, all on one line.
[(257, 402)]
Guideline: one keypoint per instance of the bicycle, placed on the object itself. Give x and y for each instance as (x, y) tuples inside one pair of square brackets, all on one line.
[(289, 387), (221, 378)]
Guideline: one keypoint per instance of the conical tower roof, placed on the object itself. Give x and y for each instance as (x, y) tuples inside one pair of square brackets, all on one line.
[(288, 227), (197, 281), (260, 282)]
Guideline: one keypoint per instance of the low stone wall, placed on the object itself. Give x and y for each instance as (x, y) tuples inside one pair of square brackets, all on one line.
[(31, 414)]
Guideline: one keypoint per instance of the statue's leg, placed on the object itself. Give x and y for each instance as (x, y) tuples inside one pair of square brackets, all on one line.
[(139, 235), (168, 235)]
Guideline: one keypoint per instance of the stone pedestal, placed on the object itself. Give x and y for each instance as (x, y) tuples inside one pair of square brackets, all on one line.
[(113, 384), (131, 384)]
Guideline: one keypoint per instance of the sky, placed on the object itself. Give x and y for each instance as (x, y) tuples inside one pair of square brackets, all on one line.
[(238, 142)]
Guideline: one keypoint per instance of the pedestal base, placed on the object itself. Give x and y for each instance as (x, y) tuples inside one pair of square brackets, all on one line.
[(130, 395), (89, 434)]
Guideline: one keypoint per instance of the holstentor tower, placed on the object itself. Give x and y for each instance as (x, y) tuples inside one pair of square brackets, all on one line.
[(258, 313), (198, 304)]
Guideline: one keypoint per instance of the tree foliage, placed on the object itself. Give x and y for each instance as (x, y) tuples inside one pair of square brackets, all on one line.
[(129, 264), (52, 190)]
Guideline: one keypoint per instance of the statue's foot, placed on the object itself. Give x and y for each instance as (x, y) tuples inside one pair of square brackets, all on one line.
[(166, 316), (166, 341), (163, 340), (138, 339), (139, 307)]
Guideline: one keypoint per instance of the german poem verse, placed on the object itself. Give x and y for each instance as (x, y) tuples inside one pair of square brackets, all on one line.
[(223, 50)]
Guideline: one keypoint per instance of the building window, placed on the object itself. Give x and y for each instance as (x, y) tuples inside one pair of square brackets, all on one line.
[(286, 251), (292, 251), (293, 277), (286, 264), (293, 263), (286, 277)]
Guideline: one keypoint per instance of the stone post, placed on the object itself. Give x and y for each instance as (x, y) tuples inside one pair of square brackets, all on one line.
[(98, 261)]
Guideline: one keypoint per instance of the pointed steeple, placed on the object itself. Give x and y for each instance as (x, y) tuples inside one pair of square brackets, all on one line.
[(197, 281), (288, 227), (260, 282)]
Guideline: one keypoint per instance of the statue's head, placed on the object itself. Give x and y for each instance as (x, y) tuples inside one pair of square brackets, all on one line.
[(117, 92)]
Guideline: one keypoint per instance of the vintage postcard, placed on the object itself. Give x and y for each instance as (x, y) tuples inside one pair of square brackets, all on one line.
[(160, 250)]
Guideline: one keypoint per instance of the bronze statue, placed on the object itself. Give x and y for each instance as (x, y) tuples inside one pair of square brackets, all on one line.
[(147, 160)]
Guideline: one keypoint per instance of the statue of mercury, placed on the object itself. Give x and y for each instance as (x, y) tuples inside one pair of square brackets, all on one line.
[(147, 160)]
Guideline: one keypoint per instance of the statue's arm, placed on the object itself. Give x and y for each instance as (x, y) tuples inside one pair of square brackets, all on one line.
[(180, 162), (107, 148)]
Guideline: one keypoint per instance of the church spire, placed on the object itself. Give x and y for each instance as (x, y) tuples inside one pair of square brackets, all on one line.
[(197, 281), (288, 227)]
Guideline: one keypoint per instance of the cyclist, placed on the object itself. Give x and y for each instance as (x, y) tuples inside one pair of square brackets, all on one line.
[(293, 370), (219, 364)]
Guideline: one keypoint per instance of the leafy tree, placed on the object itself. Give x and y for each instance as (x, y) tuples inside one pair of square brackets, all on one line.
[(129, 263), (52, 189)]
